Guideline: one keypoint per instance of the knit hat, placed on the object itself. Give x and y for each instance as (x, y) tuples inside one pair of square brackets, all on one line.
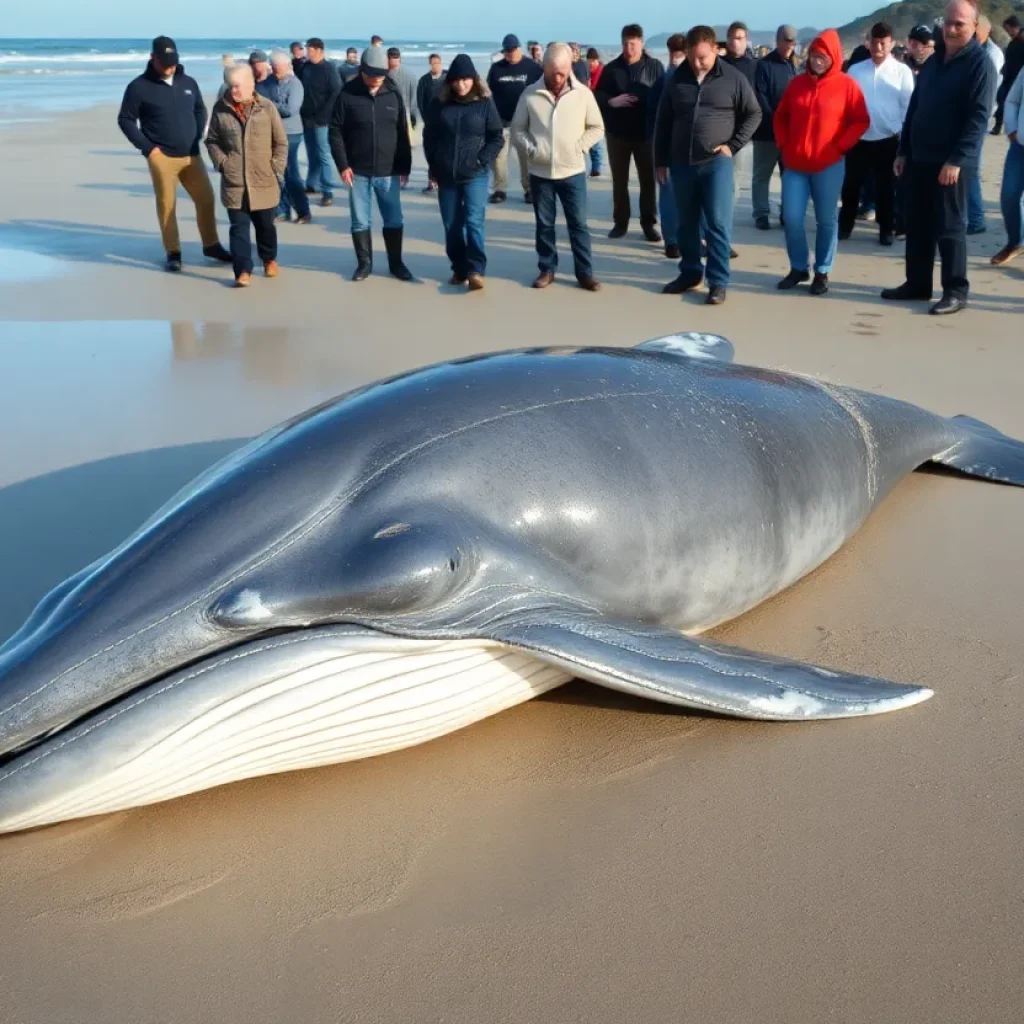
[(461, 67), (374, 62), (258, 57)]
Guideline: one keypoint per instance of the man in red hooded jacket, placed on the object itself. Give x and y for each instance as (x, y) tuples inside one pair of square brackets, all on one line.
[(821, 117)]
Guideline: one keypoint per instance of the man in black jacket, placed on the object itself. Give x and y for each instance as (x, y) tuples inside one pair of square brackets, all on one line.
[(622, 94), (1014, 62), (708, 113), (321, 85), (940, 148), (163, 116), (737, 56), (369, 136), (507, 79), (427, 89), (771, 77)]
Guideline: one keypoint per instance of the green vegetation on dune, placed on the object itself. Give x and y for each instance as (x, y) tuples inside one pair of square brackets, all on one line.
[(904, 16)]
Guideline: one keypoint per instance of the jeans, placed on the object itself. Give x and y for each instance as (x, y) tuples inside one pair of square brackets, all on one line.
[(240, 242), (389, 201), (1011, 195), (620, 152), (667, 212), (704, 194), (462, 212), (294, 193), (573, 194), (975, 204), (321, 177), (867, 158), (766, 159), (597, 155), (823, 189), (936, 216)]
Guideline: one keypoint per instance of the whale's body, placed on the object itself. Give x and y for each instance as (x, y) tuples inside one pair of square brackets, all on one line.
[(426, 551)]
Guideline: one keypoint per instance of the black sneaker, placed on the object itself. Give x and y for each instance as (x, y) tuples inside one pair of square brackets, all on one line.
[(762, 224), (672, 252), (716, 296), (819, 286), (327, 200), (595, 174), (652, 234), (174, 262), (217, 252), (528, 196), (310, 191), (792, 279), (497, 197), (681, 284), (885, 238), (617, 232), (844, 234)]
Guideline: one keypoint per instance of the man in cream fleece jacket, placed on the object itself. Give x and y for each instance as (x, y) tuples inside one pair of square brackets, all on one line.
[(556, 122)]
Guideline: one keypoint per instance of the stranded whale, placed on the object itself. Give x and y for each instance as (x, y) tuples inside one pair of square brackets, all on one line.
[(425, 551)]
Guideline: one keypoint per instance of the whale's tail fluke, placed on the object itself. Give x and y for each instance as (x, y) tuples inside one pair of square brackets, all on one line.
[(983, 451)]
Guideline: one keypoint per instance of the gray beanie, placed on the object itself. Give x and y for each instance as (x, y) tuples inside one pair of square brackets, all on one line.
[(374, 62)]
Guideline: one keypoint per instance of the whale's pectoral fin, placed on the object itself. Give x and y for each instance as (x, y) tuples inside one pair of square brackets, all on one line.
[(663, 665), (691, 345), (983, 451)]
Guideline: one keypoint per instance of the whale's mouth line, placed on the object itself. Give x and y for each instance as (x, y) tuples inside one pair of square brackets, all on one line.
[(99, 709)]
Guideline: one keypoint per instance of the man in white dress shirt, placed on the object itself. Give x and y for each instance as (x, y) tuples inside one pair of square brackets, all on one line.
[(887, 85)]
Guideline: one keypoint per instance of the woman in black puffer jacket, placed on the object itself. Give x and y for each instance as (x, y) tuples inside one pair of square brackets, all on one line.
[(462, 136)]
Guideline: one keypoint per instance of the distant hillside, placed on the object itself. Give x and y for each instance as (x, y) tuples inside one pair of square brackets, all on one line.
[(904, 16), (758, 37)]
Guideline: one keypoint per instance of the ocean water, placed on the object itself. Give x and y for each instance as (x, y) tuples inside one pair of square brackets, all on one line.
[(39, 77)]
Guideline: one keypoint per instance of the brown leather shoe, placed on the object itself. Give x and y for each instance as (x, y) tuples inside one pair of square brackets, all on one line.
[(543, 279), (1007, 253), (475, 282), (243, 279), (270, 268), (590, 284)]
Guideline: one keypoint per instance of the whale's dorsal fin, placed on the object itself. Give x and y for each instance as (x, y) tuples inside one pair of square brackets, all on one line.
[(691, 345), (663, 665)]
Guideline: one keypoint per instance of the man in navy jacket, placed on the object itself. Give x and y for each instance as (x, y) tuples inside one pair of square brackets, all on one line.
[(163, 116), (940, 149)]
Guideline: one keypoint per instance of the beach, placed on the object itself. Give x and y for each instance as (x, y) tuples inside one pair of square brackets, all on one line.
[(583, 857)]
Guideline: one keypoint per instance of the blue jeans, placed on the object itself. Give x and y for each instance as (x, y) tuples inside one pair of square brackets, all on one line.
[(573, 194), (704, 193), (321, 177), (823, 188), (1011, 195), (294, 193), (462, 213), (389, 201), (667, 213), (597, 155), (975, 204)]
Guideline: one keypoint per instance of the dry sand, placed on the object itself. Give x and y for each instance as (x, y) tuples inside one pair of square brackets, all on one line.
[(584, 857)]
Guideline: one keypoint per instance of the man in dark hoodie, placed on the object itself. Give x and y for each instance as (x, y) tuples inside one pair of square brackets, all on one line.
[(1012, 67), (163, 116), (940, 148), (321, 85), (370, 142), (737, 56), (507, 79), (773, 73), (623, 94)]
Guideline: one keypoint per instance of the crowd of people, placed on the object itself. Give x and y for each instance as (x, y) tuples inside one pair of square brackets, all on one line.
[(893, 132)]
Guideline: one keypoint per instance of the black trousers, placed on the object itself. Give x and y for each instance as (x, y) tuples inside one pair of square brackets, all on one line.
[(864, 159), (1001, 93), (936, 216), (239, 239), (619, 153)]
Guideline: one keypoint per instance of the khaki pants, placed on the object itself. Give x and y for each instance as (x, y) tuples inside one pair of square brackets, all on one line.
[(167, 172), (501, 167)]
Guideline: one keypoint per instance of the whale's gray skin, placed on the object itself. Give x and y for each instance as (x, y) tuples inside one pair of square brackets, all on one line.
[(586, 511)]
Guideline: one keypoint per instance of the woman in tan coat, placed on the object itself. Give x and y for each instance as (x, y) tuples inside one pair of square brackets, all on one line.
[(248, 146)]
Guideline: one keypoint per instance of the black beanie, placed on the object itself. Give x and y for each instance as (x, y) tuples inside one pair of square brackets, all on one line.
[(461, 67)]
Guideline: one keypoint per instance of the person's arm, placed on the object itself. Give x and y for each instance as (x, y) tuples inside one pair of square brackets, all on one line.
[(336, 136), (906, 90), (904, 147), (200, 112), (663, 128), (593, 126), (981, 90), (403, 151), (290, 99), (519, 128), (762, 82), (128, 121), (856, 122), (653, 103), (214, 145), (748, 116), (494, 135), (431, 122), (278, 144), (1011, 110), (410, 100), (325, 110), (603, 92), (780, 120)]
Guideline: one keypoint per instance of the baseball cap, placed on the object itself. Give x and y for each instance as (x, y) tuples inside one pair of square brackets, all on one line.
[(374, 62), (787, 32), (257, 57), (509, 43), (165, 50), (921, 34)]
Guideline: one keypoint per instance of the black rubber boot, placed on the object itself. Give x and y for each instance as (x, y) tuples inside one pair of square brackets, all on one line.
[(362, 241), (393, 244)]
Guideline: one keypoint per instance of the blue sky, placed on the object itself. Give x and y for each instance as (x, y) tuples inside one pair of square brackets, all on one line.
[(593, 21)]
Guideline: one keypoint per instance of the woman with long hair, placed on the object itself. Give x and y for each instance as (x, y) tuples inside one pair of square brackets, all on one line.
[(822, 116), (462, 137)]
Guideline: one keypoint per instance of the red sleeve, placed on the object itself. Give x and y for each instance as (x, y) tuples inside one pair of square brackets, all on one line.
[(857, 120)]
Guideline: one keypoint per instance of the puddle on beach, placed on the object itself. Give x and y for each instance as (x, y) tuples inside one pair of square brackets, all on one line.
[(19, 263)]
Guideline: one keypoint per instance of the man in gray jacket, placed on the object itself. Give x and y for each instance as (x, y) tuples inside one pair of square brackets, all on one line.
[(708, 113), (288, 100)]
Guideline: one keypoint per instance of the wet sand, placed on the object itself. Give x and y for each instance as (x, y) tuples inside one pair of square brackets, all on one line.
[(584, 857)]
